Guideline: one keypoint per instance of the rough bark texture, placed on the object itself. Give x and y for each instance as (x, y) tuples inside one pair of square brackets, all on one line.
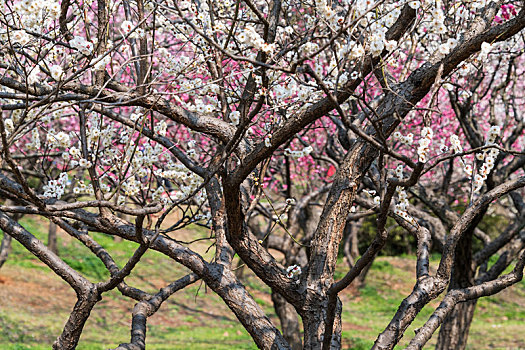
[(289, 321), (313, 338), (77, 319), (265, 335), (147, 308), (323, 255), (455, 328)]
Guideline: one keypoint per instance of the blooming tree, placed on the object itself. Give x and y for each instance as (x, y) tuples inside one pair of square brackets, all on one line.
[(491, 154), (223, 113)]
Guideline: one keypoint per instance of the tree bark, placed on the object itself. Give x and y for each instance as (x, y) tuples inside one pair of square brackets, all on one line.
[(77, 320), (5, 247), (455, 328), (289, 321), (315, 323), (52, 238), (454, 331)]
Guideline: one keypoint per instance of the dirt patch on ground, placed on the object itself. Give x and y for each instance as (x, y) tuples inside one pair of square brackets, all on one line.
[(352, 326), (34, 290)]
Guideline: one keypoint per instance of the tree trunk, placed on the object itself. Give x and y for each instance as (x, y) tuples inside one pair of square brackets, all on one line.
[(360, 280), (455, 328), (314, 322), (351, 251), (289, 321), (351, 242), (52, 238), (5, 247), (453, 334)]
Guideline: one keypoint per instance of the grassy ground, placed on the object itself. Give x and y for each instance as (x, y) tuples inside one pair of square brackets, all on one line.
[(34, 304)]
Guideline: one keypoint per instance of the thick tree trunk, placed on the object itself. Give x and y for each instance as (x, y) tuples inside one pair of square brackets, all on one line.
[(454, 331), (455, 328), (314, 322), (289, 321), (5, 247), (52, 238)]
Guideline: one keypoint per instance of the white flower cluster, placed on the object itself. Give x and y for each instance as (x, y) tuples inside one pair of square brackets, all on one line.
[(370, 192), (304, 93), (414, 4), (424, 142), (148, 156), (457, 148), (282, 92), (76, 158), (309, 48), (60, 139), (437, 24), (445, 48), (489, 157), (401, 206), (456, 144), (161, 128), (407, 140), (494, 132), (9, 126), (377, 199), (131, 186), (187, 180), (35, 15), (280, 219), (292, 271), (157, 195), (235, 117), (378, 41), (101, 63), (82, 188), (485, 50), (328, 13), (442, 147), (250, 37), (55, 188), (82, 45), (298, 154), (206, 217), (290, 201), (353, 50), (35, 140), (268, 140), (135, 116), (56, 72), (126, 27)]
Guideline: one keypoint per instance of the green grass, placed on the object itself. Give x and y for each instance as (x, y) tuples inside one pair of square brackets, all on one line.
[(495, 325), (196, 318)]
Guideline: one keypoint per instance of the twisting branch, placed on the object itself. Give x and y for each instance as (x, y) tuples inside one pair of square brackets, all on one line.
[(455, 296), (147, 308)]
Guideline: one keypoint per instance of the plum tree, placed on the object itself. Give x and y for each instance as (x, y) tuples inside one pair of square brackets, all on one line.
[(231, 114)]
